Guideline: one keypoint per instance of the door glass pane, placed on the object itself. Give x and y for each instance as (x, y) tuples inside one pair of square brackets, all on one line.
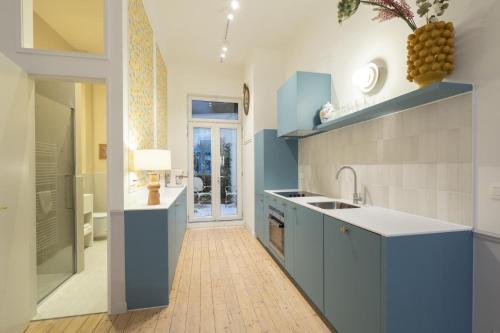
[(55, 214), (214, 110), (202, 173), (228, 172)]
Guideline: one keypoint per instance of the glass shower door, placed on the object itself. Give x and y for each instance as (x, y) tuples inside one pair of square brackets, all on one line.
[(55, 212)]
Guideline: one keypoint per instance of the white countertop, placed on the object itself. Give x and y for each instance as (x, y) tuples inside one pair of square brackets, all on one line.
[(382, 221), (167, 197)]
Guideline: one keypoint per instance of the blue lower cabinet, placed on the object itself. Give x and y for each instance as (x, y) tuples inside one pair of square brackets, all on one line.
[(290, 222), (308, 254), (410, 284), (427, 283), (352, 277), (146, 258), (153, 239)]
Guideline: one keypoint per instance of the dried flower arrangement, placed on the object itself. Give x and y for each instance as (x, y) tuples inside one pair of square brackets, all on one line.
[(389, 9)]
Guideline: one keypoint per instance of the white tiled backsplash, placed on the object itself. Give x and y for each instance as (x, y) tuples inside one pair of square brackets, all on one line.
[(417, 161)]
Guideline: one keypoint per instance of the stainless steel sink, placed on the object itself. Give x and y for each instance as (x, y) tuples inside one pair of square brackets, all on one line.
[(332, 205)]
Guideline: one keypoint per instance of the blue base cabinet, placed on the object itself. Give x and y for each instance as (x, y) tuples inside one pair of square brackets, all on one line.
[(308, 254), (153, 240), (410, 284), (352, 277)]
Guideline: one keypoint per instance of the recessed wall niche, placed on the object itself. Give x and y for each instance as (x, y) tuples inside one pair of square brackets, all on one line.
[(75, 26)]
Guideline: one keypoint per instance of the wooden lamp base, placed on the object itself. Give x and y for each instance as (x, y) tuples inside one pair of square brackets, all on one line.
[(154, 190)]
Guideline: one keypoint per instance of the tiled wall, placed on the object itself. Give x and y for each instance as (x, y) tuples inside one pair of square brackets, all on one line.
[(416, 161)]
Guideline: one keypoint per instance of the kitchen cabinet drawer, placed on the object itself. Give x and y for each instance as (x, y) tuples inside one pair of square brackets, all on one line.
[(308, 254), (352, 277)]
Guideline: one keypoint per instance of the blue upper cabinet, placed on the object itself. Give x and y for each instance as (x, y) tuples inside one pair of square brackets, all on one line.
[(299, 101)]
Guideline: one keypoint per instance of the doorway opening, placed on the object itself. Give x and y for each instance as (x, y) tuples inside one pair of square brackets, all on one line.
[(71, 198), (215, 160)]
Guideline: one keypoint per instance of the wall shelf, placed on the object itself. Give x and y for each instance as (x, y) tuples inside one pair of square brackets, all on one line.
[(410, 100)]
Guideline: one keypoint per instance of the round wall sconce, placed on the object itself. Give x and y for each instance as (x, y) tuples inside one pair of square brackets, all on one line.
[(366, 78)]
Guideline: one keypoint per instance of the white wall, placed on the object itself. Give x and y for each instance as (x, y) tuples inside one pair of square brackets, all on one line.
[(220, 80), (111, 69), (17, 198), (324, 46), (264, 74)]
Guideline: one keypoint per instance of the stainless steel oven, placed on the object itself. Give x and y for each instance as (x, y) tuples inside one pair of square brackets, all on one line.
[(276, 220)]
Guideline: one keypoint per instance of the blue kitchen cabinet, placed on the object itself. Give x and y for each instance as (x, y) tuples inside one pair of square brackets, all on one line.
[(411, 284), (172, 246), (299, 102), (290, 222), (259, 217), (276, 167), (153, 239), (308, 254), (352, 277)]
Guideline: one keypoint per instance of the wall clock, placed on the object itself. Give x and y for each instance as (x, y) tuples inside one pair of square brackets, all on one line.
[(246, 98)]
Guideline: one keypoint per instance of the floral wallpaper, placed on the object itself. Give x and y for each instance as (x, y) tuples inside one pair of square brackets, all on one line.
[(141, 85), (161, 101), (140, 63)]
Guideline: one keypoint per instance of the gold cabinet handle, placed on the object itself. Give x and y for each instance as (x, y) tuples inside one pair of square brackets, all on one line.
[(344, 230), (2, 208)]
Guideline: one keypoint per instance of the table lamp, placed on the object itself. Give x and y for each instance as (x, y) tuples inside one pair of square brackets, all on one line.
[(152, 160)]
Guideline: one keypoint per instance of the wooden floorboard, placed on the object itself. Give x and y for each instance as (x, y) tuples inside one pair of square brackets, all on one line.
[(225, 282)]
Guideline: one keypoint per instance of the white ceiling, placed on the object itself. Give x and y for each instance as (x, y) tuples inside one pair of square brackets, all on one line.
[(193, 30)]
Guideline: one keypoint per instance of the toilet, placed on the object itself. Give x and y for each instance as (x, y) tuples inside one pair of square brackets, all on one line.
[(100, 225)]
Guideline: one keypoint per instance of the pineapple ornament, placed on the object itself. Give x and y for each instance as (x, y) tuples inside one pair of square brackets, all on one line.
[(431, 48), (431, 53)]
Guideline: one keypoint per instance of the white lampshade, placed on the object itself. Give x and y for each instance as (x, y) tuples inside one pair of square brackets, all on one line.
[(152, 160)]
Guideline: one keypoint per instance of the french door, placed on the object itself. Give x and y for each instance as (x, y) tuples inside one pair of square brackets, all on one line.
[(214, 171)]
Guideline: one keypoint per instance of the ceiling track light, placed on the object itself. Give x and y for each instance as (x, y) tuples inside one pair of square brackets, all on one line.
[(235, 4), (230, 16)]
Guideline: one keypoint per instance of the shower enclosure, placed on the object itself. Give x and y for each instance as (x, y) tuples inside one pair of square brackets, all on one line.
[(55, 209)]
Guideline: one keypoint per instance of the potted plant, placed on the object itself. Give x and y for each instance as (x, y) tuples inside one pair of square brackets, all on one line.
[(430, 48)]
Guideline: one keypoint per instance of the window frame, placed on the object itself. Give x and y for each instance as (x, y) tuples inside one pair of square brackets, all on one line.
[(82, 55), (192, 98)]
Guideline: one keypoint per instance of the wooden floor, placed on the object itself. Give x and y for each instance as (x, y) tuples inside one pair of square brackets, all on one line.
[(225, 282)]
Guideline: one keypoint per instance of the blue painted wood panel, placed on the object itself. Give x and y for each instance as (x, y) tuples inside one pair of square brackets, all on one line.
[(308, 254), (427, 283), (146, 258), (260, 220), (352, 277), (412, 99), (299, 101), (172, 246), (290, 222), (153, 239)]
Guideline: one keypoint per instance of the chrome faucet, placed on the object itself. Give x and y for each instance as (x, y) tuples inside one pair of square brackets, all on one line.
[(356, 198)]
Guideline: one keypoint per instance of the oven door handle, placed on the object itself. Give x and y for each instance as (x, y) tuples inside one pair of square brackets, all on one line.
[(276, 223)]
